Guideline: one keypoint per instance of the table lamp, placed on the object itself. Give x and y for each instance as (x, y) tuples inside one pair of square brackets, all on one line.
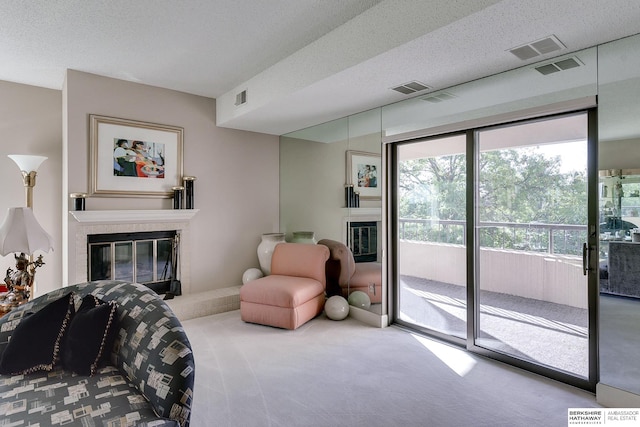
[(21, 233)]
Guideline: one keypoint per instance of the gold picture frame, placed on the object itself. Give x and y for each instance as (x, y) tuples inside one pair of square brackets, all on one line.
[(363, 172), (131, 158)]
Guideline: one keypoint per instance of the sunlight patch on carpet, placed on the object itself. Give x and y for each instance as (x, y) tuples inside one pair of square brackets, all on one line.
[(459, 361)]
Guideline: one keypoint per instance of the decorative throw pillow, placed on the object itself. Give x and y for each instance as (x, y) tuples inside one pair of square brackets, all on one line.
[(35, 343), (90, 336)]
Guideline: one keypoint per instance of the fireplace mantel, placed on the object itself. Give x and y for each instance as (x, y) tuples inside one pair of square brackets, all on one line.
[(133, 216), (362, 211)]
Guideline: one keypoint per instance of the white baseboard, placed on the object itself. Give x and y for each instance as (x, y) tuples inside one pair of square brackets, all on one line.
[(612, 397), (365, 316)]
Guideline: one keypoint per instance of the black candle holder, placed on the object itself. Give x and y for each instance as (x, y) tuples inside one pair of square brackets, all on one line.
[(177, 197), (188, 185), (79, 201), (349, 196)]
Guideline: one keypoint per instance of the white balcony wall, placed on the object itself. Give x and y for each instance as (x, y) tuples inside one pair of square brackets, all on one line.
[(545, 277), (426, 260)]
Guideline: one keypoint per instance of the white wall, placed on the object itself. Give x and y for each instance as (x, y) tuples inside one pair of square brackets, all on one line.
[(31, 123), (312, 179), (236, 189), (620, 154), (545, 277), (312, 187)]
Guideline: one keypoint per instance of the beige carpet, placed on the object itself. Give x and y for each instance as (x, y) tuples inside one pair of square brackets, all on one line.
[(346, 373)]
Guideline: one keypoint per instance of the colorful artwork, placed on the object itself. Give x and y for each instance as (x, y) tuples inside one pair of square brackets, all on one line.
[(367, 176), (138, 158)]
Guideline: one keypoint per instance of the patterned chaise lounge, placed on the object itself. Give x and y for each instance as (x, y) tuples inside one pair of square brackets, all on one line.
[(147, 382)]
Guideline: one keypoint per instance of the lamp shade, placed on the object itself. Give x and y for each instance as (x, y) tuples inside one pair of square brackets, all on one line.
[(27, 162), (21, 232)]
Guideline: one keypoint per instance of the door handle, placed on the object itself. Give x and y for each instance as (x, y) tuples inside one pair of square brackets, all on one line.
[(586, 256)]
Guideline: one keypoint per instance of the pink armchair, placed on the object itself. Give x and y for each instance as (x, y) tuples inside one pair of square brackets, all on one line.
[(344, 275), (293, 293)]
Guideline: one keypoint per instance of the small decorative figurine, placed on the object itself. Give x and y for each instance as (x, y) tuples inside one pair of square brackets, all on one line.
[(20, 281)]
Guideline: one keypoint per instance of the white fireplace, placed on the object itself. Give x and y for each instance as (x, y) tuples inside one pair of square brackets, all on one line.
[(86, 223)]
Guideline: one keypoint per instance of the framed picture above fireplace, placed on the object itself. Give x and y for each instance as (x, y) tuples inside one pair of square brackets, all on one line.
[(363, 171), (131, 158)]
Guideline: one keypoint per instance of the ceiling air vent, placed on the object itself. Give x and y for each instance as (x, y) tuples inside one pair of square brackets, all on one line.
[(438, 97), (537, 48), (241, 98), (562, 65), (411, 87)]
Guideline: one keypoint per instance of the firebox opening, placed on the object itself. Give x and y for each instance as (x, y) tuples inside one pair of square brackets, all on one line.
[(363, 240), (142, 257)]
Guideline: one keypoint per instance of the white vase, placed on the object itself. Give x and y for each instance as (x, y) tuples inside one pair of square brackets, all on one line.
[(265, 250)]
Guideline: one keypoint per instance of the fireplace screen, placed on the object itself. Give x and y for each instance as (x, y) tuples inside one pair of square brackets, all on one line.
[(147, 258), (363, 240)]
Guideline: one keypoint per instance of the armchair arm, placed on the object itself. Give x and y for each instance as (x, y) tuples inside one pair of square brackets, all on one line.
[(341, 265)]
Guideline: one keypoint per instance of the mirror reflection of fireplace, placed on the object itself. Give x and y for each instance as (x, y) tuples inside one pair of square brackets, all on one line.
[(363, 240), (142, 257)]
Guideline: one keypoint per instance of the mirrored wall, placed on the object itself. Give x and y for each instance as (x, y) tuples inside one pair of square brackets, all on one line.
[(315, 163), (619, 164), (331, 188)]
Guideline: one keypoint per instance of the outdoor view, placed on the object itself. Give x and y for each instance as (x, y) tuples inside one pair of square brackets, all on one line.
[(525, 199), (531, 223)]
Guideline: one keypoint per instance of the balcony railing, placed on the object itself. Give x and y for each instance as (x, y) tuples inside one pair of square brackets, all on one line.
[(564, 239), (536, 261)]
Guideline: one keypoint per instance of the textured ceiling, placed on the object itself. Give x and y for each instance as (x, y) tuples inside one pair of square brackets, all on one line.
[(202, 47), (302, 62)]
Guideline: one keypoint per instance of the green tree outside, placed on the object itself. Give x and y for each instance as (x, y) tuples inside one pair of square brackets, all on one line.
[(520, 186)]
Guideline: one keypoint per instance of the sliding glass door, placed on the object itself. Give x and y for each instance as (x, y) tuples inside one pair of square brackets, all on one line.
[(432, 230), (532, 217), (492, 244)]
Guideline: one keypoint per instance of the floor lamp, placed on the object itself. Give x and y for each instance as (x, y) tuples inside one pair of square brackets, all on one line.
[(21, 233), (29, 167)]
